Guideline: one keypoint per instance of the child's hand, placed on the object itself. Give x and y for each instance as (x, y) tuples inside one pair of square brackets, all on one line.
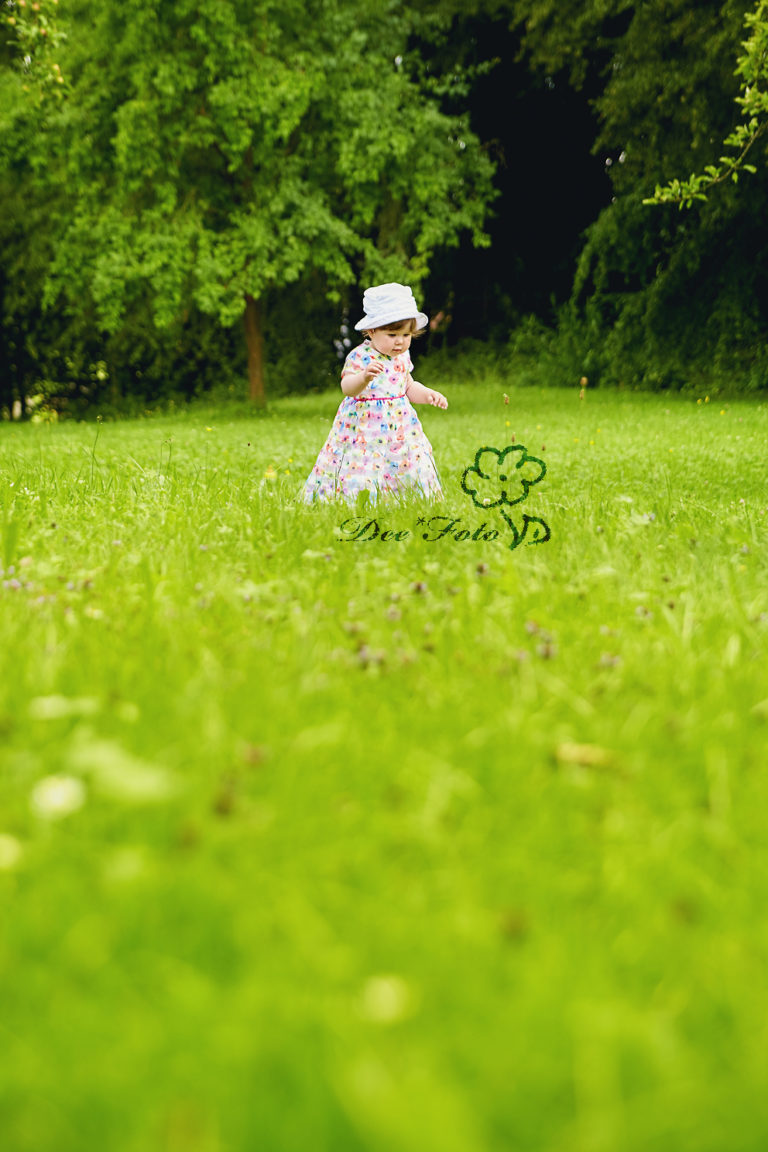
[(373, 369), (436, 398)]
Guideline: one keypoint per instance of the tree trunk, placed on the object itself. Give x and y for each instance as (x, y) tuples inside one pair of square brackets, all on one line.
[(254, 338)]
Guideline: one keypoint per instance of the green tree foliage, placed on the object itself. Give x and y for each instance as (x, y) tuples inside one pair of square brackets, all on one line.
[(29, 74), (752, 68), (209, 153), (657, 72), (659, 299)]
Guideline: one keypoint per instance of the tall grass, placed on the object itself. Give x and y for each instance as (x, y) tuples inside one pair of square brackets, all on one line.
[(309, 842)]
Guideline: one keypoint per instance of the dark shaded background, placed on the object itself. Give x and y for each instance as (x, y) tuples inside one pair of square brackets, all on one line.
[(540, 133)]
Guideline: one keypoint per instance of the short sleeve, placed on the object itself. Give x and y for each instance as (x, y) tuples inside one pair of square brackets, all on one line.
[(357, 360)]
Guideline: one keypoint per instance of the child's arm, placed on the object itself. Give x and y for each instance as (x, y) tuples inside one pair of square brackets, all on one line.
[(418, 394), (353, 383)]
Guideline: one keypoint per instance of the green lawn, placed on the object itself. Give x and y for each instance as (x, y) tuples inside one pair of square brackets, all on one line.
[(313, 844)]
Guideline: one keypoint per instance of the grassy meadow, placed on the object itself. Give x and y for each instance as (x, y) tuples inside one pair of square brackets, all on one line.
[(314, 844)]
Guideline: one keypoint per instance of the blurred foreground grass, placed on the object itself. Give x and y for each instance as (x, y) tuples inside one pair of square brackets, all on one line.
[(403, 846)]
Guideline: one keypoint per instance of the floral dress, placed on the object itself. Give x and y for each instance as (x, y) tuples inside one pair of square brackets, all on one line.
[(376, 442)]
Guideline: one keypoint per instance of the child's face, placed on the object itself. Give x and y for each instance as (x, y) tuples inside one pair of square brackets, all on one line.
[(391, 340)]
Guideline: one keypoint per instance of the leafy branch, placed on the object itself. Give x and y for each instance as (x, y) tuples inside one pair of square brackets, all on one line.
[(752, 66), (33, 32)]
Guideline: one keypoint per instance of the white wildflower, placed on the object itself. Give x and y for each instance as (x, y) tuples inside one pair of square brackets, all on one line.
[(54, 797)]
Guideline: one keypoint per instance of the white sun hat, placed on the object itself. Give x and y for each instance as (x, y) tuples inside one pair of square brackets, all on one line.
[(387, 303)]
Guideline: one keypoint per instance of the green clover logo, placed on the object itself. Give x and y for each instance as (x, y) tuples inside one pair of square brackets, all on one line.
[(502, 477)]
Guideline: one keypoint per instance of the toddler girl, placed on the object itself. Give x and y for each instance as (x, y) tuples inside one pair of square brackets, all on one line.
[(376, 442)]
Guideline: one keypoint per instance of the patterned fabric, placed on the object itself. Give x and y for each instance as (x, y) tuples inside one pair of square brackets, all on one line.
[(376, 441)]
